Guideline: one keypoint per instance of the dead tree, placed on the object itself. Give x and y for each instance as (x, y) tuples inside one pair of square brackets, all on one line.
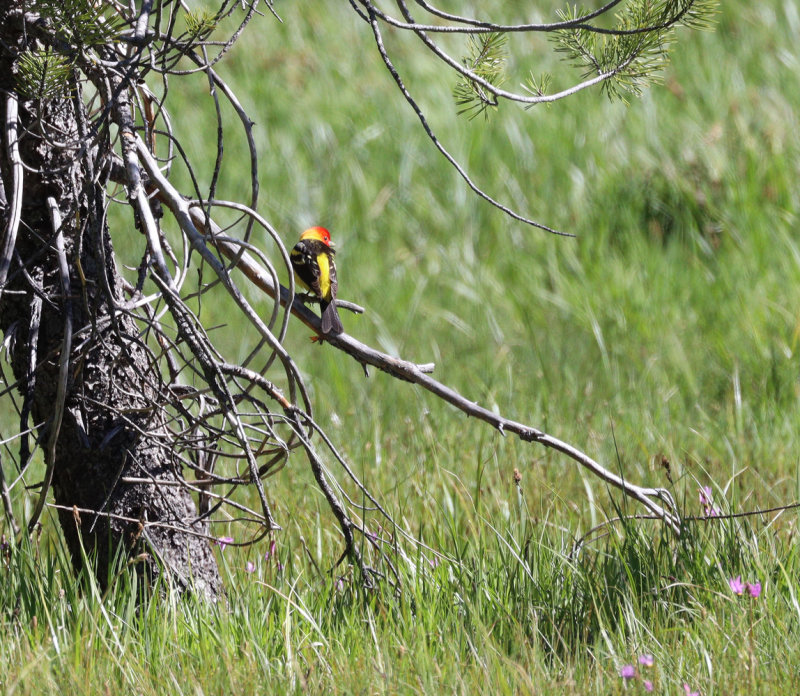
[(147, 431)]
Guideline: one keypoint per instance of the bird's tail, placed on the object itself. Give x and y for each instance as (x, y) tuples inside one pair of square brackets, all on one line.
[(331, 324)]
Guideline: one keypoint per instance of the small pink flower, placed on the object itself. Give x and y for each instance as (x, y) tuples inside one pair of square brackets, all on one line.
[(646, 660), (754, 589), (707, 501), (222, 542), (648, 685), (627, 672), (250, 566), (689, 692), (271, 551), (736, 585)]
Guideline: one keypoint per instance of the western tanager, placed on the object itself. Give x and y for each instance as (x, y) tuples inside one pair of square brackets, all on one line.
[(312, 260)]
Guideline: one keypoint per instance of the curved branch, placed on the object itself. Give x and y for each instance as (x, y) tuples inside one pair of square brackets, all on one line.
[(63, 366), (493, 89), (477, 26), (409, 372), (435, 140), (12, 147)]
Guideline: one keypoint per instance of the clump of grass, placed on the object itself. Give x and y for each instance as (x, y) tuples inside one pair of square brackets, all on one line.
[(520, 604)]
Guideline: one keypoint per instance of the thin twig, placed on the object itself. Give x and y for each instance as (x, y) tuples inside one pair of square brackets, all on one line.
[(6, 497), (12, 146), (63, 365), (435, 140)]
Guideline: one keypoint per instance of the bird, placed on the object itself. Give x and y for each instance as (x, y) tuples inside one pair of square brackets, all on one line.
[(312, 261)]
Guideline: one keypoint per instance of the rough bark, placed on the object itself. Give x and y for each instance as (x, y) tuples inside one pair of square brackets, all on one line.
[(111, 426)]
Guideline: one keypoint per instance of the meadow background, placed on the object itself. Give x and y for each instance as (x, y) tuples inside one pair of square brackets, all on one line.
[(666, 331)]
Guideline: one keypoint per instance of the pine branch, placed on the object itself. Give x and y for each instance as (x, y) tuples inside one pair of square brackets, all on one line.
[(43, 74), (84, 22), (636, 49), (487, 59)]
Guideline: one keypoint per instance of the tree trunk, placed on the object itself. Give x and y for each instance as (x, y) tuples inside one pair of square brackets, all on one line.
[(112, 428)]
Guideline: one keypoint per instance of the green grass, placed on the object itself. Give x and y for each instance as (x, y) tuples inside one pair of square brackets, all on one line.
[(669, 327)]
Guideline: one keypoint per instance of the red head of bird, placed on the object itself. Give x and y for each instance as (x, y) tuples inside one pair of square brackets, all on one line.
[(318, 233)]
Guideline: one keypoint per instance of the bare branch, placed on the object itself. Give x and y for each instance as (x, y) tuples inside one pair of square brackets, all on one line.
[(63, 366), (435, 140), (6, 498), (12, 227)]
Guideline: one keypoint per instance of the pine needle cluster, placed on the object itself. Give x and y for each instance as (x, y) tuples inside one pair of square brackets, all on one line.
[(633, 52), (83, 23), (486, 59), (43, 74), (80, 24)]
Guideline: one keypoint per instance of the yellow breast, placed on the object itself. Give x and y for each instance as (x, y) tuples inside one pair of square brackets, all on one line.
[(324, 276)]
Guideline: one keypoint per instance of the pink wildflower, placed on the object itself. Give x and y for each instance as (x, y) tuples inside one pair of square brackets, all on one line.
[(224, 541), (754, 589), (689, 691), (648, 685), (736, 585), (250, 566), (627, 672), (707, 502), (646, 660)]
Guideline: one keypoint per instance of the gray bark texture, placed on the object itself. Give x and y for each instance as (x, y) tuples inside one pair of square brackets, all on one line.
[(112, 426)]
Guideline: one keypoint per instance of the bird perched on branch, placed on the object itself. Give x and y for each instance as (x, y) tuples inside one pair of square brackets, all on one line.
[(312, 260)]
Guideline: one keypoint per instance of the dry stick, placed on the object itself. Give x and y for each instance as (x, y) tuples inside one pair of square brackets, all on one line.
[(200, 350), (12, 147), (247, 125), (162, 277), (63, 365), (366, 492), (254, 217), (142, 22), (137, 196), (5, 495), (131, 143), (475, 24), (180, 209), (30, 381), (339, 510), (192, 486), (580, 543), (133, 520)]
